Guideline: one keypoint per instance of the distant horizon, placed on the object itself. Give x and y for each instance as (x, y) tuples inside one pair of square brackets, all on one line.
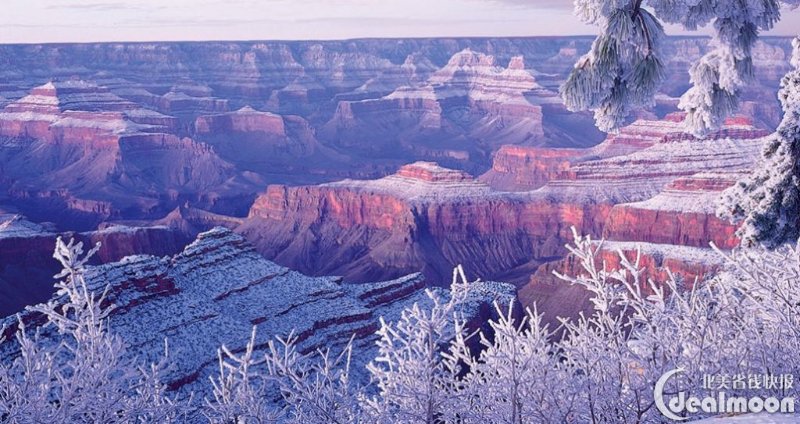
[(333, 40), (143, 21)]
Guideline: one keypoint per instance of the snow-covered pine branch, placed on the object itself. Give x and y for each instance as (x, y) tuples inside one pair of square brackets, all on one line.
[(624, 68), (767, 203)]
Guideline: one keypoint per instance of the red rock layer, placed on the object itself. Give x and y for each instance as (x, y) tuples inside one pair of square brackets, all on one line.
[(669, 227), (430, 172), (411, 221), (518, 168), (246, 120), (554, 297), (27, 266)]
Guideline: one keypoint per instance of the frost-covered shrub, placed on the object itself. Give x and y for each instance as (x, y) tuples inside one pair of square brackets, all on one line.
[(517, 377), (80, 373), (417, 367), (601, 367), (624, 67), (743, 321), (315, 389)]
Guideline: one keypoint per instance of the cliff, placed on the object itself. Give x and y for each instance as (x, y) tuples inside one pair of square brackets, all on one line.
[(26, 255), (423, 218), (78, 147), (657, 188)]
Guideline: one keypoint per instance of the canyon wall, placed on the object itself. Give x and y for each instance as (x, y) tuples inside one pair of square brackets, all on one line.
[(649, 186)]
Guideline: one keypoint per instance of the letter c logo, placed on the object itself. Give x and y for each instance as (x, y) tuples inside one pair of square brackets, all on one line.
[(658, 395)]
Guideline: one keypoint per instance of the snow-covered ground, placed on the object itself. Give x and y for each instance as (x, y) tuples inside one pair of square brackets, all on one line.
[(753, 419)]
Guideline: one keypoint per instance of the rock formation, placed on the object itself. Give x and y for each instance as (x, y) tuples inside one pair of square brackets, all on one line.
[(26, 255), (471, 97), (76, 145), (650, 184), (215, 290)]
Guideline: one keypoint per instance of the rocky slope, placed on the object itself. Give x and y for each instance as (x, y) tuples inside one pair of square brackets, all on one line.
[(215, 290), (276, 147), (650, 184)]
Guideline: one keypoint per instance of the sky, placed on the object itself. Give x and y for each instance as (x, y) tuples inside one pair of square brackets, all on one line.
[(40, 21)]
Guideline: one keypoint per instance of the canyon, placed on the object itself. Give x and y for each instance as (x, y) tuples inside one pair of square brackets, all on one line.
[(651, 187), (367, 159)]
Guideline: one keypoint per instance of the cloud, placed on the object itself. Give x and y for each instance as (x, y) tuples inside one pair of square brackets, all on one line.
[(94, 7), (117, 20), (566, 5)]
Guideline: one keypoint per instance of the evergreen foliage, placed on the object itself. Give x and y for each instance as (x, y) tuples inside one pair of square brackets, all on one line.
[(624, 68), (767, 203)]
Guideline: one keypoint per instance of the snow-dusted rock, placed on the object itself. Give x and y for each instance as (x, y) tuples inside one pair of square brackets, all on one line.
[(218, 287)]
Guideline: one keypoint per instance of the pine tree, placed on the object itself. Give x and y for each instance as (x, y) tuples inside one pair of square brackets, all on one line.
[(768, 201), (624, 67)]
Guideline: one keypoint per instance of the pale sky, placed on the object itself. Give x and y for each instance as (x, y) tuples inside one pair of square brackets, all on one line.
[(38, 21)]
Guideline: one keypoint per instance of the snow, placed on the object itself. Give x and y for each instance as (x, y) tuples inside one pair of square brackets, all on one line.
[(426, 92), (145, 113), (474, 75), (124, 229), (114, 126), (70, 84), (28, 116), (686, 254), (16, 226), (752, 419), (80, 104), (246, 110), (173, 95), (133, 91), (681, 201), (38, 99), (414, 189), (219, 286), (110, 122), (431, 167), (641, 173), (676, 159), (603, 189)]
